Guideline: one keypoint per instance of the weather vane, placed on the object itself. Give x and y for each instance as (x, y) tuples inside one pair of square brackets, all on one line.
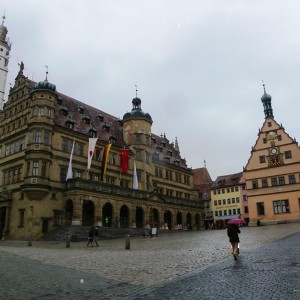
[(136, 90), (46, 72)]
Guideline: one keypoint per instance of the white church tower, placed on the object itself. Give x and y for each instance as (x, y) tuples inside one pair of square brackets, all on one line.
[(4, 56)]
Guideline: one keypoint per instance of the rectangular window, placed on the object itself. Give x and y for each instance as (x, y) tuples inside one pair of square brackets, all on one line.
[(246, 211), (220, 213), (38, 136), (281, 180), (219, 202), (47, 137), (292, 179), (232, 200), (21, 217), (224, 201), (260, 207), (262, 159), (229, 211), (264, 182), (65, 145), (234, 211), (237, 200), (288, 154), (35, 168), (274, 181), (111, 158), (215, 202), (228, 190), (255, 184), (63, 174), (244, 197), (228, 201), (216, 213), (281, 207), (223, 191), (138, 139), (138, 155), (225, 212)]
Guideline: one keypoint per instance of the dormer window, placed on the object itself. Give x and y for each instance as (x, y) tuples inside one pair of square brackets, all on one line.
[(100, 118), (155, 155), (120, 122), (153, 140), (176, 162), (167, 158), (170, 152), (106, 126), (80, 109), (59, 100), (86, 120), (159, 148), (64, 111), (112, 139), (70, 124), (163, 143), (93, 132)]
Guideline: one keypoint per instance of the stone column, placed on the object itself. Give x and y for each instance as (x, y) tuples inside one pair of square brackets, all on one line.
[(77, 212), (132, 216)]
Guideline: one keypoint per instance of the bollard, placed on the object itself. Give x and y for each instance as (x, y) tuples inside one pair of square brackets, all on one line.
[(67, 241), (30, 241), (127, 241)]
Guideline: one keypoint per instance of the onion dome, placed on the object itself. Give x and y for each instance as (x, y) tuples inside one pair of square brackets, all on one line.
[(45, 85), (136, 111), (266, 99), (265, 96)]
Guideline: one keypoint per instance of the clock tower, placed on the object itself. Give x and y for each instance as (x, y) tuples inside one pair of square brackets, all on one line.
[(272, 173)]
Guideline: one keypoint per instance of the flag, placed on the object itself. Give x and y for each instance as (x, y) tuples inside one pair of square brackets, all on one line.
[(135, 179), (104, 160), (92, 144), (70, 172), (124, 160)]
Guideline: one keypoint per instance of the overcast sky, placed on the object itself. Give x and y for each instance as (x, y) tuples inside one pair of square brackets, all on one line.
[(198, 65)]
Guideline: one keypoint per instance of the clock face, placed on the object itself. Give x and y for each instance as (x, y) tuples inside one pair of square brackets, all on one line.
[(274, 150)]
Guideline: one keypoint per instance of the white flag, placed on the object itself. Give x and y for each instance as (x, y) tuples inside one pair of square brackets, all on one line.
[(135, 179), (70, 172), (92, 144)]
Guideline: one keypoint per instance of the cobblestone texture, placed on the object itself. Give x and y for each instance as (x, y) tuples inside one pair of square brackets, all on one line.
[(183, 265)]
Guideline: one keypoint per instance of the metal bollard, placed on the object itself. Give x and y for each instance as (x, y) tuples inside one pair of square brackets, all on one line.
[(127, 241), (67, 241)]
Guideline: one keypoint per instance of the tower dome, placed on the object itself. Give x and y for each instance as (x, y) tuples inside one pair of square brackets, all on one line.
[(45, 85), (137, 112)]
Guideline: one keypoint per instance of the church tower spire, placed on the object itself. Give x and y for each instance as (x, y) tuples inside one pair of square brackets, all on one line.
[(266, 99), (4, 56)]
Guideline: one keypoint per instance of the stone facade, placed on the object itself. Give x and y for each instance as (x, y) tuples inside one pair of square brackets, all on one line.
[(38, 126)]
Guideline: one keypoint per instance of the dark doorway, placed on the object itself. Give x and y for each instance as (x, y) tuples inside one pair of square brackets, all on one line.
[(179, 220), (139, 217), (124, 217), (168, 219), (2, 220), (88, 213), (69, 212), (197, 221), (189, 221), (45, 226), (107, 212), (154, 217)]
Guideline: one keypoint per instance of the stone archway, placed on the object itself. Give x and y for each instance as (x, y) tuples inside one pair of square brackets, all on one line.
[(107, 213), (189, 221), (154, 218), (197, 221), (69, 212), (168, 219), (124, 216), (139, 217), (88, 209), (179, 220)]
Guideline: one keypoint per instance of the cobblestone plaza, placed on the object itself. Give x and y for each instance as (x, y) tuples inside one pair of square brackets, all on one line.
[(181, 265)]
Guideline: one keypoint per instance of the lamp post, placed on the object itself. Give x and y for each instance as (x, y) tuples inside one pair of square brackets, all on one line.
[(30, 234)]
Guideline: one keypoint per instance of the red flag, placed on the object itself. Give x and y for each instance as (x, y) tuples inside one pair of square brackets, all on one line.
[(124, 160)]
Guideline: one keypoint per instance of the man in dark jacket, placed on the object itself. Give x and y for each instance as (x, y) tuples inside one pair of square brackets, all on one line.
[(233, 234)]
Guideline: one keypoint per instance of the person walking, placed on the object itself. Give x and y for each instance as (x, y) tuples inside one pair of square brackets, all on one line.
[(233, 234), (91, 237), (95, 236)]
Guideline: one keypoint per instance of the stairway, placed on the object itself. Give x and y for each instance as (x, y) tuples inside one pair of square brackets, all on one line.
[(80, 233)]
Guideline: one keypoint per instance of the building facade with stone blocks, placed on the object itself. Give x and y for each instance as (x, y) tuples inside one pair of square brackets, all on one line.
[(272, 173), (43, 133)]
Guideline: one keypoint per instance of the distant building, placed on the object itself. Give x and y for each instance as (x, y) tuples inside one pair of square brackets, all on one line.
[(227, 198), (272, 173), (203, 183)]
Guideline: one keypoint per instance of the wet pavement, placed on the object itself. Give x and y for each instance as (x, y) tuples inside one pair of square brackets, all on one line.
[(183, 265)]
